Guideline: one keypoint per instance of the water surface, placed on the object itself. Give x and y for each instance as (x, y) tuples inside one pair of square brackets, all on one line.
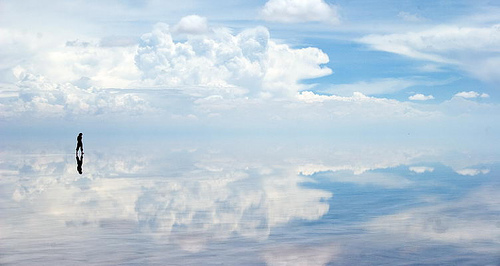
[(248, 202)]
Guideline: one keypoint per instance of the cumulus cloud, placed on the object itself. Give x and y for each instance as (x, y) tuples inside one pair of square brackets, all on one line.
[(192, 24), (36, 96), (232, 77), (471, 94), (206, 65), (107, 64), (291, 11), (472, 171), (249, 60), (421, 169), (473, 49), (420, 97)]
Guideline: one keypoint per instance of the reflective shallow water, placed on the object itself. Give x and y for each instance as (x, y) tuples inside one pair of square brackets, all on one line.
[(247, 202)]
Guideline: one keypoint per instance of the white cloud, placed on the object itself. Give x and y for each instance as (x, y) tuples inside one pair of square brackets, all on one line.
[(291, 11), (20, 47), (249, 60), (421, 169), (472, 171), (118, 41), (420, 97), (37, 96), (208, 65), (471, 94), (219, 76), (192, 24), (312, 111), (473, 49), (108, 67), (360, 104), (463, 107), (311, 97), (65, 61)]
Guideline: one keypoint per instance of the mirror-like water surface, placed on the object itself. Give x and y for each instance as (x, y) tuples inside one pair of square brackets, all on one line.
[(168, 202)]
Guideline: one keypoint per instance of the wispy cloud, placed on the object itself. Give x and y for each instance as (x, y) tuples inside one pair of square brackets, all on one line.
[(305, 255), (473, 49), (468, 220), (410, 17), (382, 86)]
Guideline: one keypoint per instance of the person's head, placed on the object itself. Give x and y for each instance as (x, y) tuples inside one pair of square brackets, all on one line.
[(80, 134)]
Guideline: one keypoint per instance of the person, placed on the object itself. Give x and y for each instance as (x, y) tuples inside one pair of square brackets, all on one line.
[(79, 143), (79, 163)]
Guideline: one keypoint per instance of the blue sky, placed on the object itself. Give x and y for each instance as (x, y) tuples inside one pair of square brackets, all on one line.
[(405, 66)]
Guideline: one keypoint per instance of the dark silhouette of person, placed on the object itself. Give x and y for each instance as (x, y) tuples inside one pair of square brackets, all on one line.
[(79, 143), (79, 163)]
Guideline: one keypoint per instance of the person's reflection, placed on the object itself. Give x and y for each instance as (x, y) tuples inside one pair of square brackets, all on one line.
[(79, 163)]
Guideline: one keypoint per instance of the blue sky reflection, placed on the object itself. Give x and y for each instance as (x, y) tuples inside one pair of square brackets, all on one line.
[(215, 202)]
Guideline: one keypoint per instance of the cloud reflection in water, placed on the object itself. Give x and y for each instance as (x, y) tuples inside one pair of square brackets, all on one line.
[(223, 203)]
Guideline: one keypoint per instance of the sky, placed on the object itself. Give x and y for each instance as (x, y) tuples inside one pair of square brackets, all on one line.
[(362, 67)]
